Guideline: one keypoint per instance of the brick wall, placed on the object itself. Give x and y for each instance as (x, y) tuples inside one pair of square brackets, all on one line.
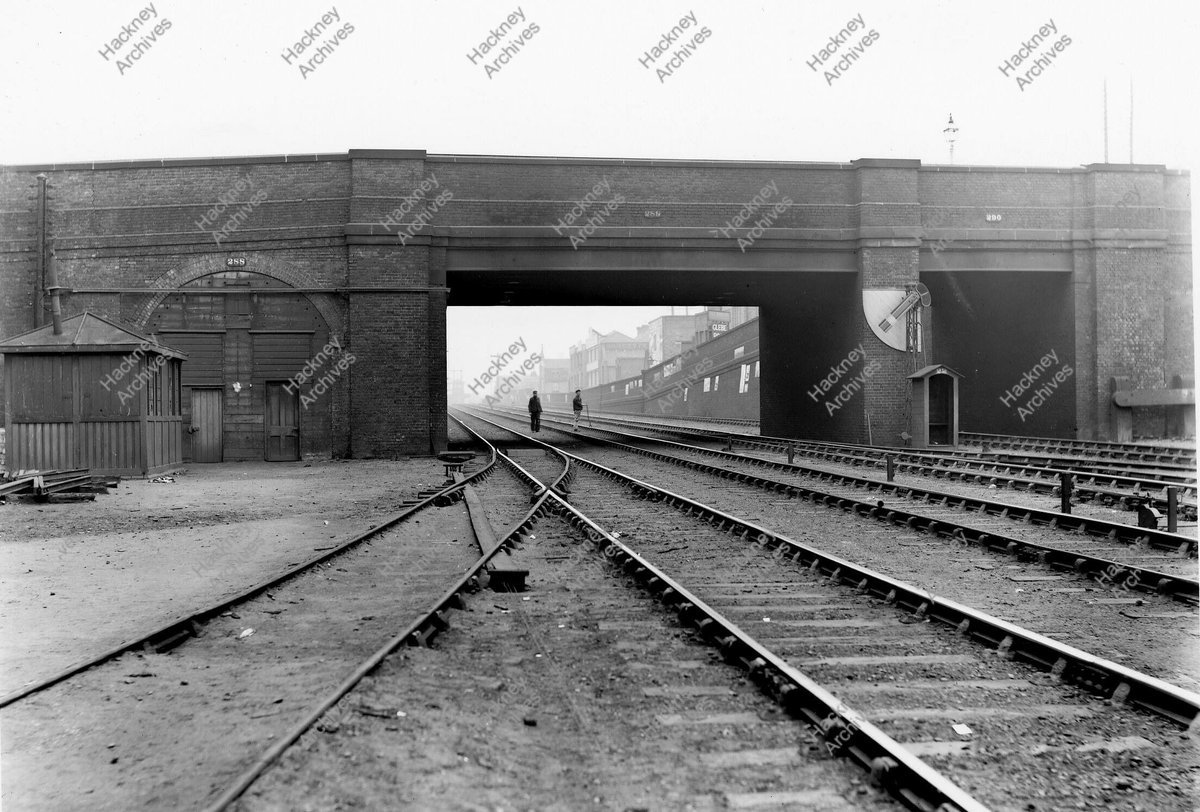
[(129, 232)]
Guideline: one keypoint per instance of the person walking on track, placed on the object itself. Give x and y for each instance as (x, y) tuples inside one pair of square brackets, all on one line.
[(577, 407), (535, 412)]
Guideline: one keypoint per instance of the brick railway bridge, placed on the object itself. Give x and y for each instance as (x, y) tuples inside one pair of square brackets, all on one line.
[(256, 266)]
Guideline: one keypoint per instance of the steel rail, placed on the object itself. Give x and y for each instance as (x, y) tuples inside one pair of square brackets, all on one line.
[(1168, 473), (955, 466), (849, 735), (417, 633), (1102, 677), (833, 451), (1173, 542), (176, 632), (1108, 450), (1089, 486), (1118, 455)]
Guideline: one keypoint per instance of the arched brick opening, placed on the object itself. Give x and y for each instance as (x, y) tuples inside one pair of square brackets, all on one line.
[(172, 281), (239, 389)]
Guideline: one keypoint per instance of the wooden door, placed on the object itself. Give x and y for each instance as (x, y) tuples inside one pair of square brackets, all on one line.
[(206, 419), (282, 422)]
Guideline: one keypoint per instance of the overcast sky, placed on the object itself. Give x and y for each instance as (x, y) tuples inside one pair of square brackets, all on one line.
[(215, 83)]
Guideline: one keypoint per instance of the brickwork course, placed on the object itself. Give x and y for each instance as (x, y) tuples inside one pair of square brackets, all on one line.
[(1091, 263)]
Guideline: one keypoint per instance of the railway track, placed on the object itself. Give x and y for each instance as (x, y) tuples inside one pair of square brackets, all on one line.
[(826, 616), (1092, 482), (284, 722), (417, 633), (1091, 611), (904, 775), (119, 731), (988, 525), (627, 712), (164, 638), (1132, 452)]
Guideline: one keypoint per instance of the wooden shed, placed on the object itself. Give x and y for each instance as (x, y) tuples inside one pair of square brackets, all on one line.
[(98, 395), (934, 406)]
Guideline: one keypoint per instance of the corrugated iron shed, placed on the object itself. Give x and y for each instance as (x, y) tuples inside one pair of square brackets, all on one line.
[(99, 395)]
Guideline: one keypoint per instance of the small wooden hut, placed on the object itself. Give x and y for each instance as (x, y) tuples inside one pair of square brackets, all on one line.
[(96, 395), (934, 406)]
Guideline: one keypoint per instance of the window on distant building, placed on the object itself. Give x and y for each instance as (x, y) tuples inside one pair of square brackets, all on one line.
[(685, 391), (739, 352), (707, 384), (716, 382), (756, 369), (744, 383)]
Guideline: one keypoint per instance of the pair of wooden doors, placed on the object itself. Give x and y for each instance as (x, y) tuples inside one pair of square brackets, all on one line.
[(281, 423)]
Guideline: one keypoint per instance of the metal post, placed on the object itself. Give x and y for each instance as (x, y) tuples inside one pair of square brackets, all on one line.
[(891, 468), (791, 452), (39, 304), (1172, 510), (1066, 482)]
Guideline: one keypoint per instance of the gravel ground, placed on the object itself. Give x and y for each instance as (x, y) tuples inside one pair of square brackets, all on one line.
[(152, 732), (150, 553)]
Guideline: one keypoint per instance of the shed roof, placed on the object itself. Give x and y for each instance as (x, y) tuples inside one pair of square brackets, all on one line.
[(935, 369), (87, 332)]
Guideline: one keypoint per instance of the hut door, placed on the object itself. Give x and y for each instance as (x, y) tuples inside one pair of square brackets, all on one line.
[(941, 396), (282, 422), (206, 419)]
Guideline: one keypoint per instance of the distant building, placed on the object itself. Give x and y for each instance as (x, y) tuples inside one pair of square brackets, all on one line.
[(555, 387), (556, 375), (667, 336), (601, 359)]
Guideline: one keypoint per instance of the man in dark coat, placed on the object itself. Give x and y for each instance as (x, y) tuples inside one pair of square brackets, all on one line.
[(535, 412), (577, 407)]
